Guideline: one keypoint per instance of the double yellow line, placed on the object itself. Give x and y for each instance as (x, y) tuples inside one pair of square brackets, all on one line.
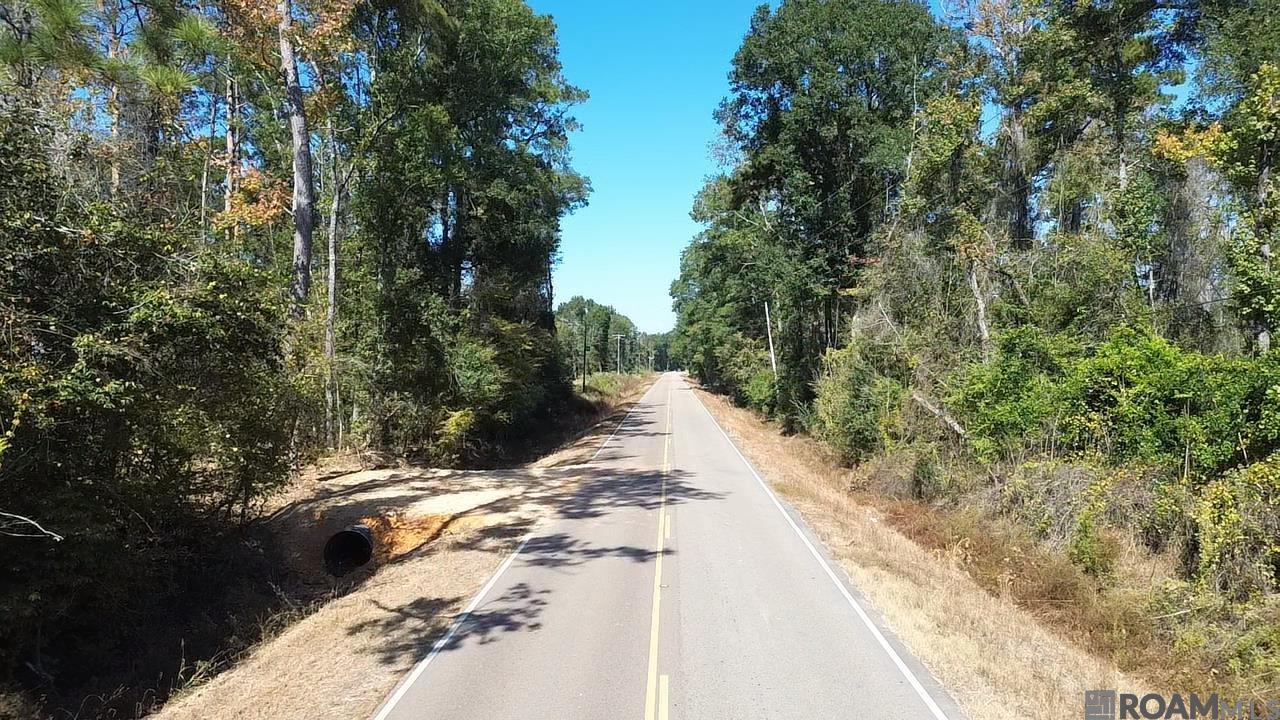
[(657, 689)]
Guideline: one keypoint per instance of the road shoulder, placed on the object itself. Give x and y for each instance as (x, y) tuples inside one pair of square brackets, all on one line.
[(994, 658)]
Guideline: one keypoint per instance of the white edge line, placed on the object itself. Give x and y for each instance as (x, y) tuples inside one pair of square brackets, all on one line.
[(622, 422), (862, 613), (421, 667), (453, 629)]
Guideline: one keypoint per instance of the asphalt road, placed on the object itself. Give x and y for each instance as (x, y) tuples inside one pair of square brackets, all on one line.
[(674, 584)]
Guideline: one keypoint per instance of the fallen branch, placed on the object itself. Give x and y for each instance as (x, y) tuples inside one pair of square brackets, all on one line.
[(19, 520), (939, 413)]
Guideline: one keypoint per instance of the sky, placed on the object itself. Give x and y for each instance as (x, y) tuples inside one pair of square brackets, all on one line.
[(656, 71)]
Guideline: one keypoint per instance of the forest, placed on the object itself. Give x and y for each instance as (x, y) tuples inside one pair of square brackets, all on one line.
[(600, 339), (1014, 261), (237, 235)]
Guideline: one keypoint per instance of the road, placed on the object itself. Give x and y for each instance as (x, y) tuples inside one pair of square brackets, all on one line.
[(673, 585)]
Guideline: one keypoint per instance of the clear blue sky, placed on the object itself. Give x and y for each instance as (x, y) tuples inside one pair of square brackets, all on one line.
[(656, 71)]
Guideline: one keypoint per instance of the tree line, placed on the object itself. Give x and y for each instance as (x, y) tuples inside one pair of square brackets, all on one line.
[(600, 339), (1010, 236), (234, 235)]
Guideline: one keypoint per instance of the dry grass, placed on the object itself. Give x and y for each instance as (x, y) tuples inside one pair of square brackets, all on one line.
[(442, 532), (961, 617), (342, 660)]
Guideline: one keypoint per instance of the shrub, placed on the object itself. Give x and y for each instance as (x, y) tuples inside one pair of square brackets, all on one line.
[(142, 402), (752, 378), (855, 409), (1134, 397), (1092, 547), (1139, 397), (1011, 404), (1238, 525), (927, 479)]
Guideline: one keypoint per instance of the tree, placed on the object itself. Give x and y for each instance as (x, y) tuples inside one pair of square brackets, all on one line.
[(164, 375), (303, 209)]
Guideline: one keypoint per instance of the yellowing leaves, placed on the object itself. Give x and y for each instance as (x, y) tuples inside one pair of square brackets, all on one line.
[(258, 201), (1204, 143)]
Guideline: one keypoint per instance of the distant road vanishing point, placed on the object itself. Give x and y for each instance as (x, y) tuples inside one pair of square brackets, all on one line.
[(673, 585)]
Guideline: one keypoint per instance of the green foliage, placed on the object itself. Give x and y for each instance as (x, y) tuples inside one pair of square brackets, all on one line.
[(855, 409), (1092, 547), (142, 394), (994, 224), (154, 388), (1011, 404), (1238, 518), (1134, 397), (595, 334), (1140, 397)]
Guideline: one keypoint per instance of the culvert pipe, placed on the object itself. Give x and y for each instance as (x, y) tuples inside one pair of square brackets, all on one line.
[(348, 549)]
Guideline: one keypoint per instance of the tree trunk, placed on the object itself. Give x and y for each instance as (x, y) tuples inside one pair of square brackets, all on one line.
[(233, 151), (332, 419), (984, 331), (113, 93), (446, 235), (204, 172), (1264, 231), (457, 247), (303, 178), (1019, 185), (939, 413)]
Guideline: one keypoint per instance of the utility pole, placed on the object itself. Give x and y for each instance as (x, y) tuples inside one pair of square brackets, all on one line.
[(619, 339), (768, 327)]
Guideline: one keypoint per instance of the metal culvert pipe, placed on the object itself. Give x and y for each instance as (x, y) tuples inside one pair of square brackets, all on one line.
[(348, 549)]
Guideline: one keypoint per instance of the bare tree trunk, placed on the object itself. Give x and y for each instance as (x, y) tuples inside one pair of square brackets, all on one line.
[(1016, 176), (1264, 330), (446, 230), (331, 313), (233, 151), (303, 177), (1264, 231), (204, 172), (113, 92), (939, 413), (1264, 185), (768, 328), (458, 250), (984, 331)]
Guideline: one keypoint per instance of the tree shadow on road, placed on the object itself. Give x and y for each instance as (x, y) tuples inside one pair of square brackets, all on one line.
[(410, 632)]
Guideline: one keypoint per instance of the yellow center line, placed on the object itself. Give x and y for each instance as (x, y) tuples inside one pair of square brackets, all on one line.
[(655, 697)]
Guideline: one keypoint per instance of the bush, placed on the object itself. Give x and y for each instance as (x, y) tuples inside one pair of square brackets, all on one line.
[(1134, 397), (142, 401), (855, 410), (1093, 548), (752, 377), (1238, 524), (1139, 397), (1011, 404)]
